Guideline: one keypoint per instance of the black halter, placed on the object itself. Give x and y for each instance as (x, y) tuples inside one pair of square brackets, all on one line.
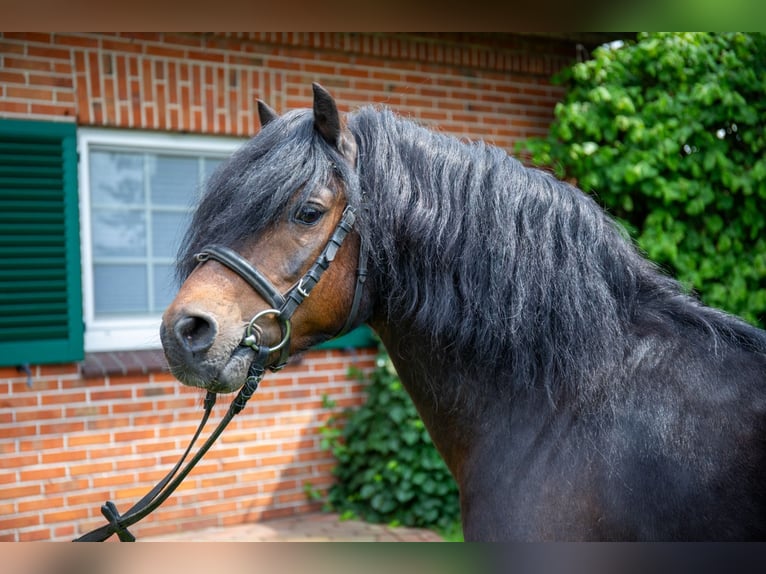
[(282, 308)]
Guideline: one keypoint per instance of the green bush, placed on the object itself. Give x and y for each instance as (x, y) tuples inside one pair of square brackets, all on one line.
[(388, 469), (669, 133)]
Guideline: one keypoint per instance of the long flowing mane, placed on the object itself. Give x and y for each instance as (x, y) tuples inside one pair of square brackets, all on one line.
[(504, 265), (498, 264)]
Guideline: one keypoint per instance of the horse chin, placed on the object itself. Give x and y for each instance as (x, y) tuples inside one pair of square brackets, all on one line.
[(234, 372), (217, 376)]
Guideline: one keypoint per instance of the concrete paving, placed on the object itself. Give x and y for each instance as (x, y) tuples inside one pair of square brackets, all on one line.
[(320, 527)]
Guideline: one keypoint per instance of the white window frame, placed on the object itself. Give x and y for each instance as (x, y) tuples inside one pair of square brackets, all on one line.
[(127, 333)]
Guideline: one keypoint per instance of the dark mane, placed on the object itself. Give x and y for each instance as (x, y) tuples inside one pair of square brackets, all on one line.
[(498, 264), (504, 265)]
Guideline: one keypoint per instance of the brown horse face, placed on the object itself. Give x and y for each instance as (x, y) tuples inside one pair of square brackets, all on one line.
[(203, 328)]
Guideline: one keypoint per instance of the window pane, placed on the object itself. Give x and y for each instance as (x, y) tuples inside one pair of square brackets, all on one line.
[(211, 163), (116, 177), (174, 180), (165, 286), (167, 231), (120, 289), (118, 233)]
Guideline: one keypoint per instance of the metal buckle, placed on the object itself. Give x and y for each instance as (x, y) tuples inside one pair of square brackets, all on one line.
[(300, 289), (253, 332)]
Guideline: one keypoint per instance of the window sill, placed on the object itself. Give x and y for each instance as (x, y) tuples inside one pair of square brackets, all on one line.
[(102, 364)]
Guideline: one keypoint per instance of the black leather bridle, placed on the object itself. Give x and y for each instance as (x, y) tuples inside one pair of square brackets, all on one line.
[(282, 308)]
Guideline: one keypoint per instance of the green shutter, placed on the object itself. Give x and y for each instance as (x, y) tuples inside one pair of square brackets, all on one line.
[(359, 338), (40, 295)]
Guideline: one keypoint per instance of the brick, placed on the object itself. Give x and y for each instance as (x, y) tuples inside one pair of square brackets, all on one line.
[(81, 382), (90, 468), (12, 47), (122, 46), (68, 515), (16, 431), (25, 64), (156, 419), (51, 110), (133, 435), (111, 394), (42, 474), (61, 397), (64, 532), (48, 52), (28, 93), (205, 56), (87, 498), (190, 40), (65, 485), (113, 480), (135, 492), (291, 497), (156, 447), (20, 491), (35, 535), (17, 522), (109, 452), (87, 411), (221, 508), (164, 51), (11, 78), (78, 41), (38, 444), (107, 422), (40, 504), (67, 455)]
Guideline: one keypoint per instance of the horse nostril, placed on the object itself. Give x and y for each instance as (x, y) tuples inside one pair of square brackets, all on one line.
[(195, 333)]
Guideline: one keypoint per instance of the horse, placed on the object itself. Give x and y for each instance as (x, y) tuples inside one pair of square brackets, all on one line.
[(575, 390)]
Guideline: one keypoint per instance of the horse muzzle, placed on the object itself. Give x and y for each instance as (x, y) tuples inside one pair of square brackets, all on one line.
[(201, 353)]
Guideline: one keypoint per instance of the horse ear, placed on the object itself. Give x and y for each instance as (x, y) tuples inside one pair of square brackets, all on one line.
[(265, 113), (326, 117)]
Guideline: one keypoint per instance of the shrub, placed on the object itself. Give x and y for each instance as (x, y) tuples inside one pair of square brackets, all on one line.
[(388, 468), (668, 132)]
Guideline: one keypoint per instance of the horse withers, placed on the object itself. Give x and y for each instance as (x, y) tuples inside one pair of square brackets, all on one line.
[(574, 391)]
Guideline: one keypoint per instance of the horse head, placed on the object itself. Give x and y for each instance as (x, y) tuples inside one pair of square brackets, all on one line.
[(270, 226)]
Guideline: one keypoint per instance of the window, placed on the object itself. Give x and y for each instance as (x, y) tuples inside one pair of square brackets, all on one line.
[(137, 194)]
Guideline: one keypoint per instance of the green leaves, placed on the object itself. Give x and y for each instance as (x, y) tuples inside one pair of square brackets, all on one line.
[(388, 469), (669, 133)]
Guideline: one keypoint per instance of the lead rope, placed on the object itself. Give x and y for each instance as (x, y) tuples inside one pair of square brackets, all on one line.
[(118, 524)]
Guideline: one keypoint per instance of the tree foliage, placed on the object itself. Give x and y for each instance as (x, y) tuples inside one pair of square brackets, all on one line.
[(388, 468), (669, 133)]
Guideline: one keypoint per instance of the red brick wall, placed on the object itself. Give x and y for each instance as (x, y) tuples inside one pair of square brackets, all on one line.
[(493, 87), (70, 442)]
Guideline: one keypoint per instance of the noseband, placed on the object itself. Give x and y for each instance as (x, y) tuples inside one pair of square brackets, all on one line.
[(282, 309)]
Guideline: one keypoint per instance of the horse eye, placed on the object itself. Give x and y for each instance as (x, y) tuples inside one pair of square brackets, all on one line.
[(308, 214)]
